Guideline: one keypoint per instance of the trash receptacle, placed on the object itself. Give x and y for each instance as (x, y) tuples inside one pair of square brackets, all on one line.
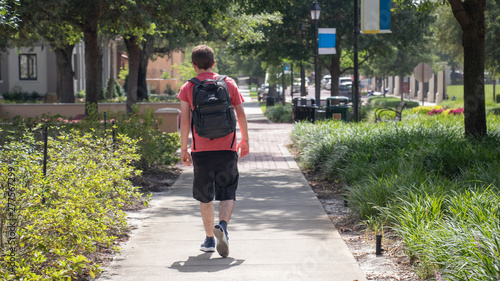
[(304, 108), (269, 101), (336, 108)]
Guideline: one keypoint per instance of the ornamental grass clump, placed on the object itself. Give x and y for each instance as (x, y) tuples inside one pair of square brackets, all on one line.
[(422, 177), (53, 226)]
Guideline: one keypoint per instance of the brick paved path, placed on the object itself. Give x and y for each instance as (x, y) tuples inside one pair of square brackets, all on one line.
[(267, 141)]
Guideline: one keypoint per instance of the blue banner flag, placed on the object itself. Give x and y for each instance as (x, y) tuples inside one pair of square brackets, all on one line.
[(376, 16), (326, 41)]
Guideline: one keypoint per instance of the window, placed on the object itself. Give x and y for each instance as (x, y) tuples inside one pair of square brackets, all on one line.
[(27, 67)]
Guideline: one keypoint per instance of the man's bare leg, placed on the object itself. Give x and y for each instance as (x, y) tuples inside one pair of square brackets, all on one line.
[(226, 210), (207, 214)]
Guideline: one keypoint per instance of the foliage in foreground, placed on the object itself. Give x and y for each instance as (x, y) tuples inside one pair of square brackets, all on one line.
[(52, 225), (422, 177)]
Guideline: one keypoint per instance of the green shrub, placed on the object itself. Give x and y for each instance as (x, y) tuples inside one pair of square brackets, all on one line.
[(81, 94), (280, 113), (72, 212), (425, 109), (154, 147), (162, 98), (165, 75), (169, 91), (495, 111), (390, 102), (19, 96)]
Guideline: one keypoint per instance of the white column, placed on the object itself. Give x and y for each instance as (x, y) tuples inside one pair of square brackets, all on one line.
[(397, 86), (390, 85), (420, 91), (412, 87), (441, 87), (432, 92)]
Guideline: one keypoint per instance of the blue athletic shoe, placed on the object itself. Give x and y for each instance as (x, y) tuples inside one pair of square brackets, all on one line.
[(208, 245), (222, 241)]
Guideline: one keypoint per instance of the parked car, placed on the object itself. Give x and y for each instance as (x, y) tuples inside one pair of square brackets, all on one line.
[(345, 89), (263, 91), (342, 80), (297, 84), (346, 79), (325, 81)]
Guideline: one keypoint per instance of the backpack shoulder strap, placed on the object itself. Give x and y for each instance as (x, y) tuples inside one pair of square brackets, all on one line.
[(195, 81), (222, 78)]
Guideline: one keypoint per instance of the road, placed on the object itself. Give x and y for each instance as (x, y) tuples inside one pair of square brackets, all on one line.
[(310, 93)]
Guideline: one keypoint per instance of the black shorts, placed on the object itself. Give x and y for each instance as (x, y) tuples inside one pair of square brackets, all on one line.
[(215, 175)]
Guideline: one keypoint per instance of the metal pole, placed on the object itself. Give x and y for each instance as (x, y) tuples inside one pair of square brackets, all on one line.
[(113, 131), (283, 87), (303, 80), (291, 80), (317, 87), (355, 94), (45, 140)]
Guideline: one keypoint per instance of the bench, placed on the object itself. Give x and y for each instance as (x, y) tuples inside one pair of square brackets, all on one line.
[(397, 110)]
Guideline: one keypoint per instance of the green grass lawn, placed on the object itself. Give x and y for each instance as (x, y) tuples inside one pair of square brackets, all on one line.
[(457, 91), (456, 96)]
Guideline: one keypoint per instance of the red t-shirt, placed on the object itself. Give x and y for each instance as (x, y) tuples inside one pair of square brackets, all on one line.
[(205, 144)]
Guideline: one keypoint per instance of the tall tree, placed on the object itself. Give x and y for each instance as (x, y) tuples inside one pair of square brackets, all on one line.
[(148, 21), (470, 14)]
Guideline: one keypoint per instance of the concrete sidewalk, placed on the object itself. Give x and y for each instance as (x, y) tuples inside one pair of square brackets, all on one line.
[(279, 230)]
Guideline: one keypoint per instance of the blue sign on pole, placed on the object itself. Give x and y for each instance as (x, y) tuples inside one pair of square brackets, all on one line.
[(326, 41)]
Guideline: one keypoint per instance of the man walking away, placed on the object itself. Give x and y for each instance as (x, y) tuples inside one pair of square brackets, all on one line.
[(207, 103)]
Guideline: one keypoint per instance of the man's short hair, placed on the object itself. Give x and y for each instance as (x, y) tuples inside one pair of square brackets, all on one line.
[(203, 56)]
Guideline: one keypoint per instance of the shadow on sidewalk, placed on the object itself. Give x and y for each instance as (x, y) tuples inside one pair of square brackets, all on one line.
[(204, 263)]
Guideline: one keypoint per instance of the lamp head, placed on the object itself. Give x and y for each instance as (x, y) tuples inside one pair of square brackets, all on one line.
[(315, 11)]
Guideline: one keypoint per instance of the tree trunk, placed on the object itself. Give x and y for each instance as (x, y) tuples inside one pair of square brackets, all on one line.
[(65, 87), (335, 75), (100, 93), (111, 82), (133, 51), (145, 53), (91, 66), (470, 15)]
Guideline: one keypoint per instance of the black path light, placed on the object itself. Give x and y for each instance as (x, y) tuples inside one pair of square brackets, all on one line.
[(315, 13)]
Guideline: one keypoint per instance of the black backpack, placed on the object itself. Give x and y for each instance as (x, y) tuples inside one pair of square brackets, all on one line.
[(213, 115)]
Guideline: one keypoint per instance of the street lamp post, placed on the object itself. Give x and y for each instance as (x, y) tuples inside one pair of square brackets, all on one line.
[(355, 88), (315, 13)]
